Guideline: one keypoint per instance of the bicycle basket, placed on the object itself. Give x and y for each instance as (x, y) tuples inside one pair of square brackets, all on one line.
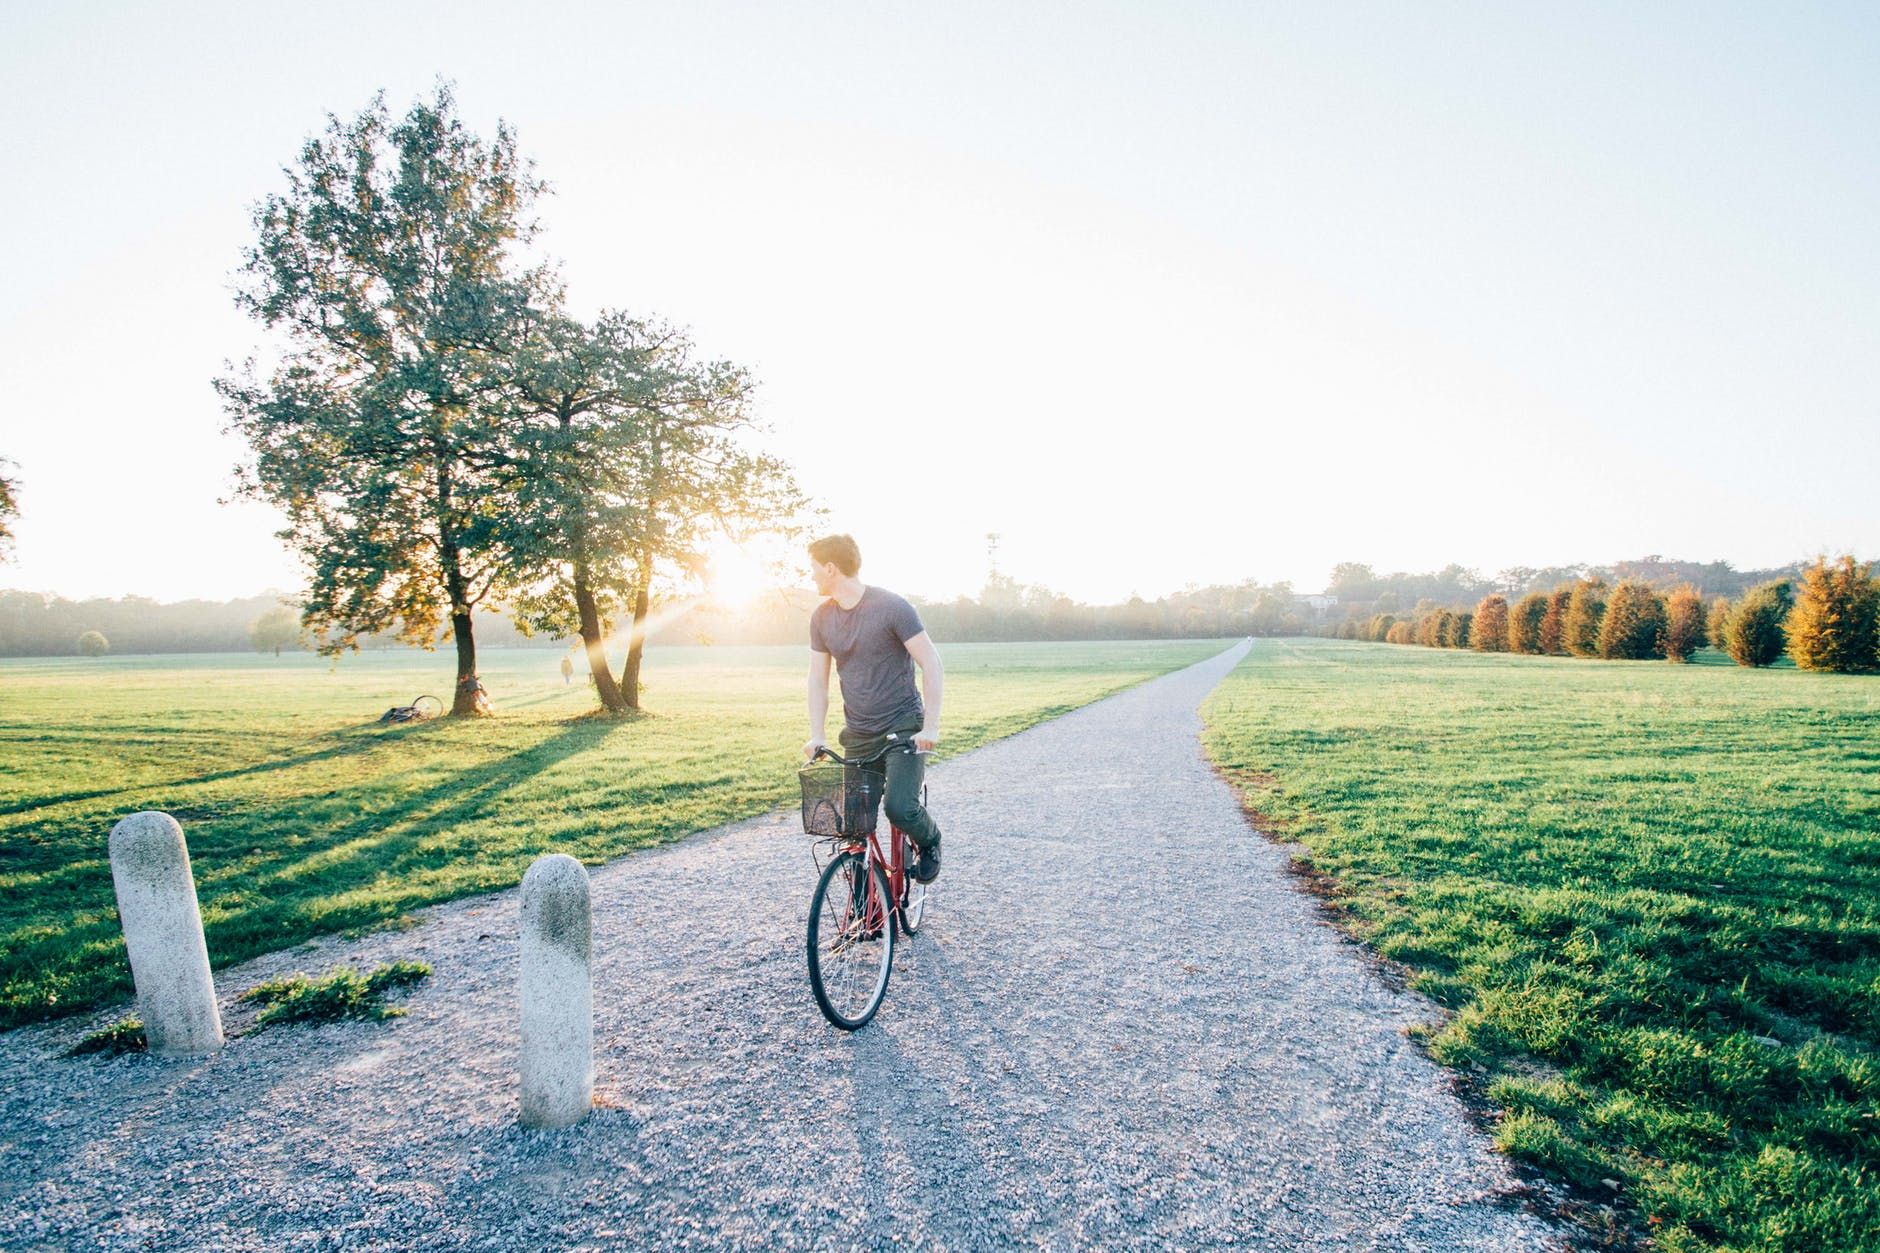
[(840, 800)]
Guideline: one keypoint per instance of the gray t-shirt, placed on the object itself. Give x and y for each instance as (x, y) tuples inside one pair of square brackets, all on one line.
[(869, 643)]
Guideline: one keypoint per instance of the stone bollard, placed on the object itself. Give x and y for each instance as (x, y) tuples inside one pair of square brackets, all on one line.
[(557, 994), (156, 899)]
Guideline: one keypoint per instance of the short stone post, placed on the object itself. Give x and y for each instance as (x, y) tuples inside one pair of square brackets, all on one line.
[(156, 899), (557, 993)]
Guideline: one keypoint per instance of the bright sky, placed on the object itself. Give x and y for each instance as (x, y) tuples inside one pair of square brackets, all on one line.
[(1160, 292)]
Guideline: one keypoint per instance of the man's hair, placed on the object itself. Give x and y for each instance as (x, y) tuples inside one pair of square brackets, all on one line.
[(840, 549)]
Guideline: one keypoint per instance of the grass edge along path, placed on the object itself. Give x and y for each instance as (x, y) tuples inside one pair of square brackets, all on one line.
[(305, 817), (1647, 895)]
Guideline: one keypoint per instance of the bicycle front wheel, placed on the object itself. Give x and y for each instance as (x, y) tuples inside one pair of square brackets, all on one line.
[(851, 940)]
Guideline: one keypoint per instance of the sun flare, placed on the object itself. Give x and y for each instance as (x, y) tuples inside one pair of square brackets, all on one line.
[(735, 578)]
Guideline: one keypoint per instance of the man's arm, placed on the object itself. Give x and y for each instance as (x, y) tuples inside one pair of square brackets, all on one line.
[(932, 680), (818, 702)]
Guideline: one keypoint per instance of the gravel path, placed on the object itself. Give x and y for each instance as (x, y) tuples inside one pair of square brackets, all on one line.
[(1122, 1026)]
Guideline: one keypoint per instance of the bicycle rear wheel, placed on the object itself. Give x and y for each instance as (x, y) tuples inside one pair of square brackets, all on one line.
[(851, 940)]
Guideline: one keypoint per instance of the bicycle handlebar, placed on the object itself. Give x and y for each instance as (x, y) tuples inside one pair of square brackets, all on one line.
[(895, 740)]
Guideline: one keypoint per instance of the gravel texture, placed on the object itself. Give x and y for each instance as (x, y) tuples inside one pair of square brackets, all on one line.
[(1122, 1025)]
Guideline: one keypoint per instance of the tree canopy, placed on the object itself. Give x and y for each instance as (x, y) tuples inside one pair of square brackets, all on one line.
[(389, 269), (628, 457), (1753, 632), (1835, 624)]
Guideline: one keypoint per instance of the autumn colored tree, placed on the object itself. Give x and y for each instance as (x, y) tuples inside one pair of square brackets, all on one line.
[(1753, 633), (1836, 615), (1524, 623), (1585, 607), (1436, 628), (1488, 633), (1684, 623), (1379, 627), (1553, 630), (1399, 633), (93, 644), (1633, 626), (1456, 629), (1717, 624)]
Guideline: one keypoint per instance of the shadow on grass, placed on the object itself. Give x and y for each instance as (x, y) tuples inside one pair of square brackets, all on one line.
[(362, 863), (352, 741)]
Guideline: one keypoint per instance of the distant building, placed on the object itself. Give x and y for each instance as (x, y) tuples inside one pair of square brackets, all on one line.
[(1319, 603)]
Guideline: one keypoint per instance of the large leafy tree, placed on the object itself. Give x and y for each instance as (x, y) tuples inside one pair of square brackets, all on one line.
[(577, 403), (695, 477), (388, 268), (630, 456)]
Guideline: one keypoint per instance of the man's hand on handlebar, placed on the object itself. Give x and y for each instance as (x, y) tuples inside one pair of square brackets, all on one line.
[(924, 740), (810, 748)]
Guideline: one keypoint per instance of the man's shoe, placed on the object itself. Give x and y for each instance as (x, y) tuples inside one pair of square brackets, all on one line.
[(927, 866)]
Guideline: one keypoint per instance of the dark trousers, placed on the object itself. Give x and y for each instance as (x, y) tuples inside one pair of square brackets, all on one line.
[(906, 770)]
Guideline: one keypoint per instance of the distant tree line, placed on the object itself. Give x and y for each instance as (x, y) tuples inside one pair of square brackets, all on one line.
[(1570, 619), (1006, 610), (1827, 618), (34, 624), (37, 625), (1361, 591)]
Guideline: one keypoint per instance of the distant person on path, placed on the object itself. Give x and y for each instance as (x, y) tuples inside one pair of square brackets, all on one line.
[(567, 670), (875, 639)]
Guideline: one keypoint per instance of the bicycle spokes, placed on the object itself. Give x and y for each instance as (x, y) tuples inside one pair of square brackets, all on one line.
[(851, 940)]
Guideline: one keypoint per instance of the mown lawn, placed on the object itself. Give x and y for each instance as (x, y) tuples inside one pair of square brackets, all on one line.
[(1651, 894), (304, 815)]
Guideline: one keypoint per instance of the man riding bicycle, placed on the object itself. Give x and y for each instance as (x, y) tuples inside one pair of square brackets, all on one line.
[(875, 639)]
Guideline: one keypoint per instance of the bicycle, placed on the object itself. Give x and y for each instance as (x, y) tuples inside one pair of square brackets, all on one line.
[(863, 895), (425, 707)]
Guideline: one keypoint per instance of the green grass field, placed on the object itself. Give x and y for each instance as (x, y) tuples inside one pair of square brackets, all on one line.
[(1651, 894), (304, 815)]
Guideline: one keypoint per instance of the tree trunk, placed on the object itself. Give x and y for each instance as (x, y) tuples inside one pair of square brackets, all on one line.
[(464, 699), (636, 638), (643, 576), (464, 703), (591, 637)]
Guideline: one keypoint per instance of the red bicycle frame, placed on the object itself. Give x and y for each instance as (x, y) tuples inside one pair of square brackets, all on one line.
[(895, 866)]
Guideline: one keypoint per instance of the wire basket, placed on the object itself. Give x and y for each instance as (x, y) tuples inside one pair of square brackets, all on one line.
[(840, 801)]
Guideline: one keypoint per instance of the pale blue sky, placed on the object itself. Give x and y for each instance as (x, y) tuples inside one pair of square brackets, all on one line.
[(1163, 293)]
